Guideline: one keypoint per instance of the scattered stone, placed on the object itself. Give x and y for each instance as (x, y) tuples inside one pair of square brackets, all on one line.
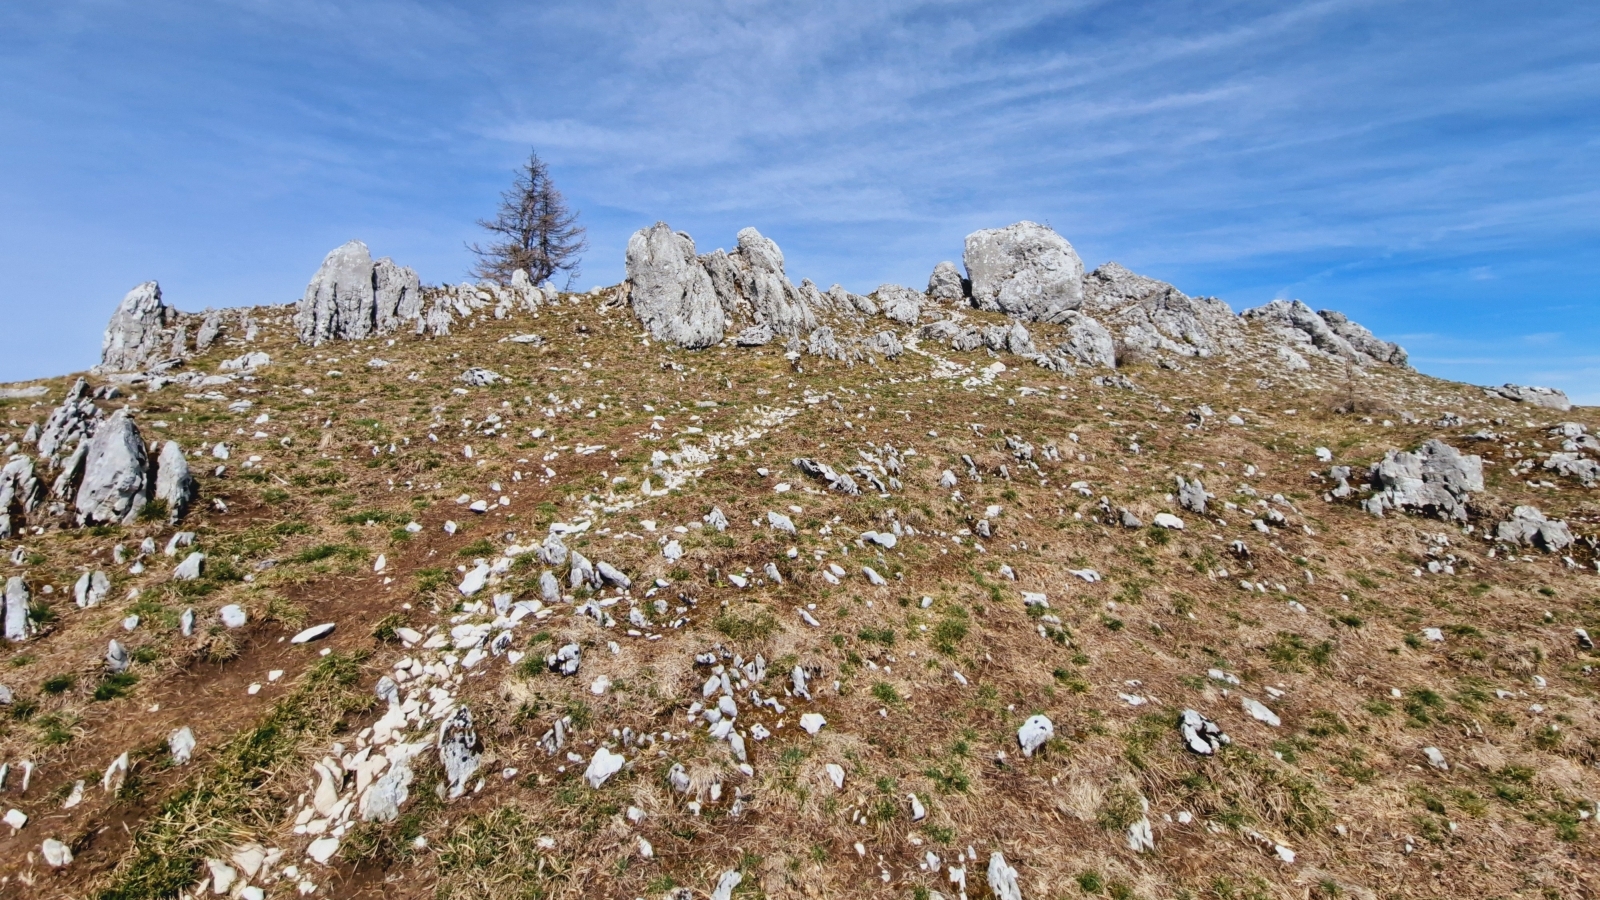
[(1192, 495), (18, 628), (1168, 520), (91, 589), (321, 850), (1003, 878), (181, 745), (1258, 711), (189, 569), (566, 660), (117, 658), (1436, 758), (812, 722), (1200, 734), (313, 633), (726, 882), (603, 766), (1034, 733), (56, 854), (233, 616), (479, 377)]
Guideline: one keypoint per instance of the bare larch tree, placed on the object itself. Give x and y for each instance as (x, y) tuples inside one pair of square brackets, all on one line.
[(533, 230)]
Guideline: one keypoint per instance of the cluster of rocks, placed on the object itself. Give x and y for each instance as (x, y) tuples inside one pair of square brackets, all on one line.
[(1025, 271), (145, 334), (103, 472)]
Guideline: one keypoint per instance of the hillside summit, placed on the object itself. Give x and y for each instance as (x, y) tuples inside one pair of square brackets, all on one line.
[(1032, 584)]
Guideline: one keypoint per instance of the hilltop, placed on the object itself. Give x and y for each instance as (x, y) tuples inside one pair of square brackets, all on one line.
[(1039, 582)]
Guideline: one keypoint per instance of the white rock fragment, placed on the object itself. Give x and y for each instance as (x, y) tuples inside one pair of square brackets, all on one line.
[(1436, 758), (16, 818), (313, 633), (1168, 520), (56, 854), (233, 616), (1034, 733), (322, 850), (1258, 711), (835, 774), (181, 744), (189, 569), (604, 765), (222, 876), (1003, 878), (725, 885), (812, 722)]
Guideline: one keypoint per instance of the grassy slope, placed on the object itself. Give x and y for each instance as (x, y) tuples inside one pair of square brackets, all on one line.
[(1343, 781)]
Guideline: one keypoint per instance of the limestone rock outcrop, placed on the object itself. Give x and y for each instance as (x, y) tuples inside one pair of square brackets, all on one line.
[(1154, 317), (1528, 525), (116, 476), (174, 485), (351, 297), (1437, 478), (1328, 331), (1549, 398), (142, 332), (671, 292), (1088, 342), (1025, 270), (900, 304), (751, 285), (71, 422)]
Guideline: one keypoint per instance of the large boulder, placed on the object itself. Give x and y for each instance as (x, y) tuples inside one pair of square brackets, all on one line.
[(670, 290), (174, 485), (351, 297), (946, 283), (1549, 398), (1437, 478), (1088, 342), (338, 303), (1024, 270), (116, 475), (141, 331), (397, 295)]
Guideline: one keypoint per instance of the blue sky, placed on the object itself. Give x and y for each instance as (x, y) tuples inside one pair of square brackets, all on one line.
[(1430, 168)]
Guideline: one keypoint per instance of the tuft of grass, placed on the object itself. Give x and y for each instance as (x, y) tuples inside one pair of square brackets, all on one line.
[(757, 627), (115, 685), (495, 855)]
